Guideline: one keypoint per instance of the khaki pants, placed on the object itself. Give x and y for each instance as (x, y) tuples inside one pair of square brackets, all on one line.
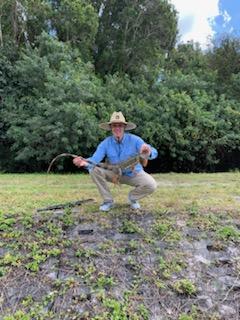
[(144, 183)]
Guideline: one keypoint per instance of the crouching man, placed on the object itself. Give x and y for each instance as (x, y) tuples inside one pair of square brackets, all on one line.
[(119, 147)]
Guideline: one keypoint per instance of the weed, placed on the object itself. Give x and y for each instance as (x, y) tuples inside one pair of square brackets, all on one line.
[(70, 282), (159, 284), (32, 266), (67, 218), (184, 316), (11, 260), (184, 286), (133, 245), (54, 252), (192, 209), (228, 233), (38, 255), (66, 243), (54, 229), (51, 241), (168, 267), (27, 301), (3, 271), (161, 229), (143, 312), (27, 221), (6, 223), (174, 236), (19, 315), (106, 245), (166, 231), (162, 264), (79, 270), (117, 309), (129, 227), (148, 239), (12, 234), (104, 281), (89, 273), (204, 222), (85, 253), (40, 234)]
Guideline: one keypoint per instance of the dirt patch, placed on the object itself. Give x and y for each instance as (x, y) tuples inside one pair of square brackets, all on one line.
[(68, 264)]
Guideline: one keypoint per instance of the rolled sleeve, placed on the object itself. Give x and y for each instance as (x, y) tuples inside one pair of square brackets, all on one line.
[(154, 153)]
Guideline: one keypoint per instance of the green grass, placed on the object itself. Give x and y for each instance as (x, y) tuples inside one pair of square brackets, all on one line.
[(191, 192)]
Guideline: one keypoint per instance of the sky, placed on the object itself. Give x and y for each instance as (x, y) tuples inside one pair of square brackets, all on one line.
[(201, 20)]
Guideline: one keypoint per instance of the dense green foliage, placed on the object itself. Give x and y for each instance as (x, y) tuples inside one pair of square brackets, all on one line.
[(132, 34), (66, 65)]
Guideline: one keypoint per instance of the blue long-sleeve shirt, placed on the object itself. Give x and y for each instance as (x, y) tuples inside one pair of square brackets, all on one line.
[(116, 151)]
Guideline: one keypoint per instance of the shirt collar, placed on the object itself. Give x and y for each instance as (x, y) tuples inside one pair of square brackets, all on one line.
[(123, 139)]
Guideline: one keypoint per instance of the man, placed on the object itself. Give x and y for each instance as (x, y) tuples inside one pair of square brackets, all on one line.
[(118, 147)]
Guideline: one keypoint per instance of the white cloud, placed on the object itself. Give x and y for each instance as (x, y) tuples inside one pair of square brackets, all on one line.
[(194, 19), (226, 18)]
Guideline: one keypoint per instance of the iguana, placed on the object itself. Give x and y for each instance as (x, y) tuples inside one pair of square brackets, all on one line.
[(116, 168)]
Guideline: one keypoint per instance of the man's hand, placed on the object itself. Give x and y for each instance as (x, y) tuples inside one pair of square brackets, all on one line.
[(145, 149), (79, 162)]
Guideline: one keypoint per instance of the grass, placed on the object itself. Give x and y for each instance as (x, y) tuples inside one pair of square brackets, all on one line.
[(192, 192), (110, 273)]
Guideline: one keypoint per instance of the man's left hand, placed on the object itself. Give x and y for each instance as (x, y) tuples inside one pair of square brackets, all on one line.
[(145, 149)]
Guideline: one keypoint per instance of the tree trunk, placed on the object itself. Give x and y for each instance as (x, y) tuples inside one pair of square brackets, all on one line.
[(14, 21), (1, 35)]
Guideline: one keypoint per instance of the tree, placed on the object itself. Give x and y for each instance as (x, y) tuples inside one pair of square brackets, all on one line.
[(75, 21), (132, 34), (52, 108), (225, 58), (21, 21), (38, 19), (187, 57)]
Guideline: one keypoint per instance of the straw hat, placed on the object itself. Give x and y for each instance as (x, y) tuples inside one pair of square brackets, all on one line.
[(117, 117)]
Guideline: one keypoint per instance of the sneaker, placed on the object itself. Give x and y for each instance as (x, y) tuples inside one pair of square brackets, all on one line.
[(134, 204), (106, 206)]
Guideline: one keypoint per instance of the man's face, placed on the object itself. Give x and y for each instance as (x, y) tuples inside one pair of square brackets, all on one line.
[(118, 130)]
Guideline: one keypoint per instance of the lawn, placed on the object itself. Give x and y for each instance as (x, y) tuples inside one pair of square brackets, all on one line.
[(27, 192)]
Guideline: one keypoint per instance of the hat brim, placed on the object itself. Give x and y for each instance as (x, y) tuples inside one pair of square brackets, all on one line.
[(107, 126)]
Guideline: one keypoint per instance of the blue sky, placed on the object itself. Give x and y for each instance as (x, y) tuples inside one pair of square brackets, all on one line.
[(201, 20)]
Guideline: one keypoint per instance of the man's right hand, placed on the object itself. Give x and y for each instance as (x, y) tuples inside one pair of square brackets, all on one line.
[(79, 162)]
